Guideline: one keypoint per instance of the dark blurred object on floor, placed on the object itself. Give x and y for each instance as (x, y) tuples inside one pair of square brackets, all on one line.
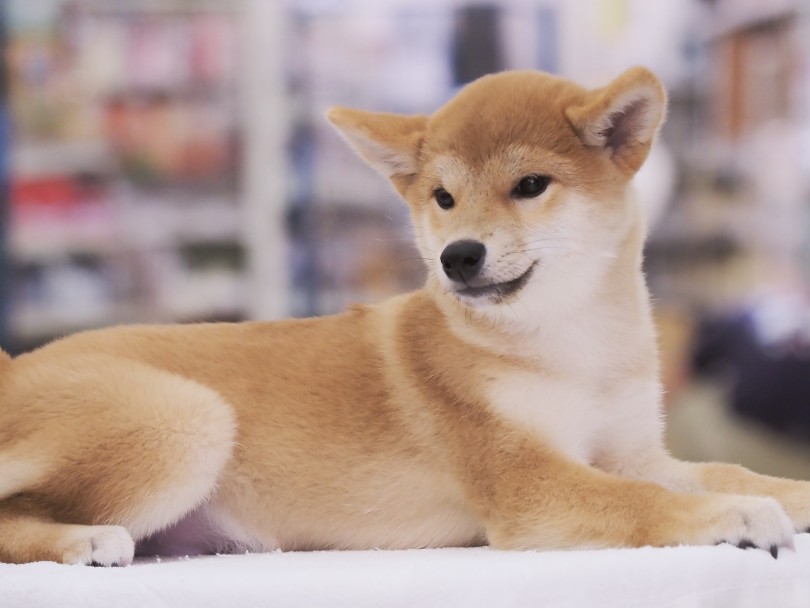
[(763, 353)]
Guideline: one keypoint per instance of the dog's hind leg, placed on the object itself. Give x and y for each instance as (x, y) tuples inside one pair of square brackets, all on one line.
[(25, 537), (104, 452)]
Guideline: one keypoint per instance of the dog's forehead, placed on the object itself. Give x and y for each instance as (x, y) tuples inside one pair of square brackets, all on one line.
[(502, 162), (503, 110)]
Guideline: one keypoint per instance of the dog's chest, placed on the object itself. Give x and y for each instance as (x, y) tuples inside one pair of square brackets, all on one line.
[(567, 414), (583, 413)]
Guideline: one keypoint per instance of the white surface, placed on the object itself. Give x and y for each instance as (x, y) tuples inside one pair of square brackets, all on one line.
[(720, 576)]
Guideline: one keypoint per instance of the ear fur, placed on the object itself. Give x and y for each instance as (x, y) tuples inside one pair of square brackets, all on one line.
[(390, 143), (623, 117)]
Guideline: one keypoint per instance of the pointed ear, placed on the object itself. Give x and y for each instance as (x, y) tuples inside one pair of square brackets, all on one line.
[(623, 117), (390, 143)]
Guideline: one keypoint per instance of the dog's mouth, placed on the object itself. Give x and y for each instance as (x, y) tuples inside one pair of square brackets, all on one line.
[(497, 292)]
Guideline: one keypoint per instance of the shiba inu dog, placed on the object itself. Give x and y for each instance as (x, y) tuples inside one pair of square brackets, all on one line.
[(513, 401)]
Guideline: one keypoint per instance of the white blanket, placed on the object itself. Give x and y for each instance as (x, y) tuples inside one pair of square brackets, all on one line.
[(720, 576)]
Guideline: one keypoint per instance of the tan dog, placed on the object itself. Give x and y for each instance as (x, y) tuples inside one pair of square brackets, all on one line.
[(513, 401)]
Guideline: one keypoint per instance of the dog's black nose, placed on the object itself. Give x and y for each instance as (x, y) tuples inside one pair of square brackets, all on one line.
[(463, 260)]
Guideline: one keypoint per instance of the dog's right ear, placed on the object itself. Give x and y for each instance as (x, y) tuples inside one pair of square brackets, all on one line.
[(622, 117), (390, 143)]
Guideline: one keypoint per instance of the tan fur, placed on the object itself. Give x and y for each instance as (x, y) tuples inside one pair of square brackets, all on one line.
[(526, 421)]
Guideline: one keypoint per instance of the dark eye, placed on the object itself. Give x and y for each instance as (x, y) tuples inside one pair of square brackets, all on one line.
[(531, 186), (444, 198)]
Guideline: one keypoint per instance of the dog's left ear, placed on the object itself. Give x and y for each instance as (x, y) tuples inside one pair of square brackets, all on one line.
[(622, 117), (390, 143)]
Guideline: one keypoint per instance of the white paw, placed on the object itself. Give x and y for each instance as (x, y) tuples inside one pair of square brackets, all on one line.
[(749, 521), (99, 545)]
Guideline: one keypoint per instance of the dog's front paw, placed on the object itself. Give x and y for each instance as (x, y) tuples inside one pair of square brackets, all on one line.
[(99, 546), (744, 521)]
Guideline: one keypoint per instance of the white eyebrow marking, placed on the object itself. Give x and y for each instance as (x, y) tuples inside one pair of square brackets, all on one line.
[(449, 169)]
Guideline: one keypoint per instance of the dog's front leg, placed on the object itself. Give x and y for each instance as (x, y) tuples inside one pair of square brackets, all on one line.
[(794, 496), (531, 497), (649, 460), (634, 448)]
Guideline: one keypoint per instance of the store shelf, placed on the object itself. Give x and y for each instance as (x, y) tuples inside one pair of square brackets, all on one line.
[(159, 8), (36, 159), (126, 164)]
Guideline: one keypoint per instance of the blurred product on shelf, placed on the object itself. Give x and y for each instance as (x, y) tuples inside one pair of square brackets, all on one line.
[(159, 138)]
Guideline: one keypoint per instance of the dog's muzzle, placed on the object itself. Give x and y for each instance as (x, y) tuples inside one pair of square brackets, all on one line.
[(497, 292)]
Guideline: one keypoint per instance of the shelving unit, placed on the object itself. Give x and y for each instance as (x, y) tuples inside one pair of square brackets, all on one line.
[(172, 162), (741, 220), (131, 191)]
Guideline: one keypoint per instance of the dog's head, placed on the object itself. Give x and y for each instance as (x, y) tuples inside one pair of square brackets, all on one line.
[(518, 186)]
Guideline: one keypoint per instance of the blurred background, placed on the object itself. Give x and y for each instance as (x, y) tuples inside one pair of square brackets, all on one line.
[(168, 160)]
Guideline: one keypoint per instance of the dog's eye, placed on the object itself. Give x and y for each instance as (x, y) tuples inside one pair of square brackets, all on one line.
[(443, 198), (531, 186)]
